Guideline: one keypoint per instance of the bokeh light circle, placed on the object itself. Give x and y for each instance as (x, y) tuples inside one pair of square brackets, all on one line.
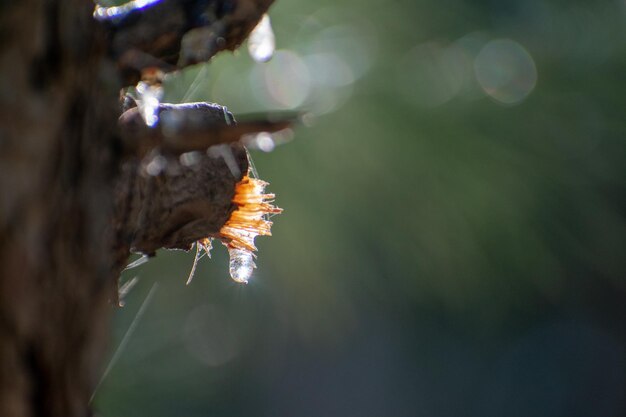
[(432, 74), (505, 71), (286, 80)]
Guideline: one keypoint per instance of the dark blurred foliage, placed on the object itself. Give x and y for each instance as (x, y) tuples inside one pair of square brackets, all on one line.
[(454, 227)]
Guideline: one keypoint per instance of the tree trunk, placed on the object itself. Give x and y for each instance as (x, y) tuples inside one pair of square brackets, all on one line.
[(70, 189), (58, 150)]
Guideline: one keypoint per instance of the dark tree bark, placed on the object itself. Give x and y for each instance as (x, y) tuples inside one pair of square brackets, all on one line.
[(74, 200)]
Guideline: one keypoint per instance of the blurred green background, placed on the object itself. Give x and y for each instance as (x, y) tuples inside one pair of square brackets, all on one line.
[(454, 229)]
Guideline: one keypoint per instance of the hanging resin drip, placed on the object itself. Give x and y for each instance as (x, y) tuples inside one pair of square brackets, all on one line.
[(262, 43), (241, 265), (249, 220), (148, 100)]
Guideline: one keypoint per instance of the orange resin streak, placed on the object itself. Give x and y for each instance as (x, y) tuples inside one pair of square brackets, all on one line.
[(248, 220)]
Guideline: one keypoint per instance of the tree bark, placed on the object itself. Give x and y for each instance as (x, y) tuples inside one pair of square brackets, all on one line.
[(74, 198)]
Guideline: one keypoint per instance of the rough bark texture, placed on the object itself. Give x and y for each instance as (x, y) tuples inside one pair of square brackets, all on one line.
[(191, 127), (177, 33), (182, 204), (75, 193)]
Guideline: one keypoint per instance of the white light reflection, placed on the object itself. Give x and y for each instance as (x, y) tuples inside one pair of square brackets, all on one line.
[(265, 141), (190, 158), (505, 71), (262, 43), (156, 165), (148, 101), (104, 13)]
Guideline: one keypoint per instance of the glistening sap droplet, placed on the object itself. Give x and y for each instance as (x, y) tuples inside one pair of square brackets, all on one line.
[(262, 43)]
